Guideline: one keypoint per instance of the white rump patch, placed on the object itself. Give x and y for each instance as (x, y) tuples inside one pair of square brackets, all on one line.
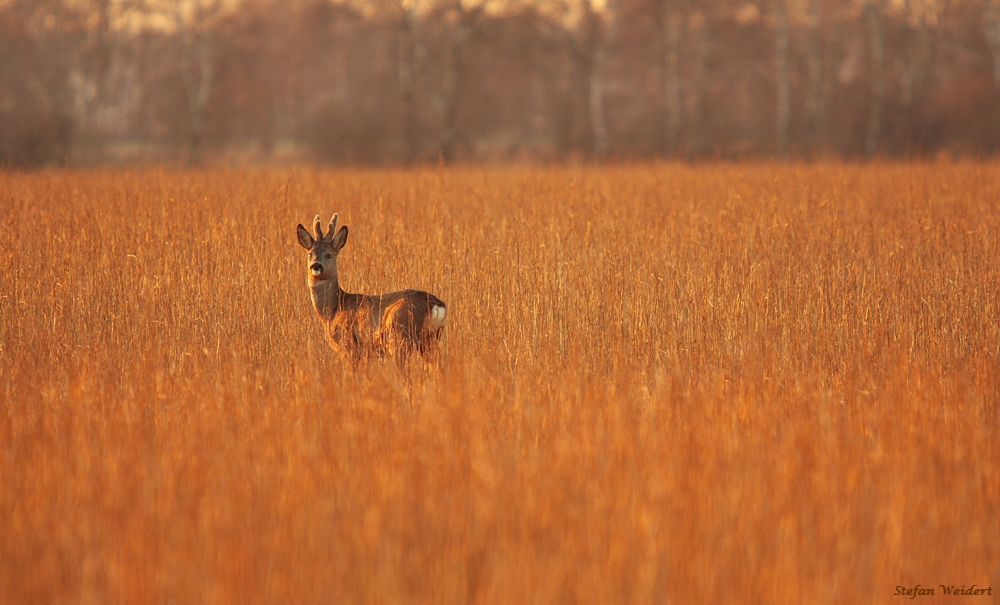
[(436, 318)]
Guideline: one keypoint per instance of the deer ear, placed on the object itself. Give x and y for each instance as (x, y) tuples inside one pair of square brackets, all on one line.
[(305, 240), (340, 239)]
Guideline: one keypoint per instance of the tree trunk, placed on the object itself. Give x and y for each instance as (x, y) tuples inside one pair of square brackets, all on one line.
[(671, 76), (912, 78), (814, 78), (701, 43), (782, 77), (598, 126), (406, 85), (566, 112), (294, 91), (198, 73), (915, 65), (991, 25), (597, 36), (450, 84), (877, 56), (101, 50), (90, 81), (449, 99)]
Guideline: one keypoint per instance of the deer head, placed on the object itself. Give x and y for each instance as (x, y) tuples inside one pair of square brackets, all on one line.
[(323, 249)]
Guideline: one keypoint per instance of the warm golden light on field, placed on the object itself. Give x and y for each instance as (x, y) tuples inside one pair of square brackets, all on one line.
[(736, 383)]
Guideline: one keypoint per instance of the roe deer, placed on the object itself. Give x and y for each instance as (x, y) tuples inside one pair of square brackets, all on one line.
[(359, 325)]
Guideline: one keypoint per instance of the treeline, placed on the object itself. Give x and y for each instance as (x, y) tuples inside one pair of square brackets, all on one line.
[(412, 81)]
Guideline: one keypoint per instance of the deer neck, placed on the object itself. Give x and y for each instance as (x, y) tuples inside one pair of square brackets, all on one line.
[(326, 296)]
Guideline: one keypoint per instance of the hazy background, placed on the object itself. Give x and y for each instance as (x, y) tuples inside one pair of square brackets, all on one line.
[(201, 81)]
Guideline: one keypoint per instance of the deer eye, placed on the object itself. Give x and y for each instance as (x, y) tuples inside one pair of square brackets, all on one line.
[(329, 255)]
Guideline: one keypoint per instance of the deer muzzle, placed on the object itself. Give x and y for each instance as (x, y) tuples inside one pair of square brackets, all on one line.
[(316, 269)]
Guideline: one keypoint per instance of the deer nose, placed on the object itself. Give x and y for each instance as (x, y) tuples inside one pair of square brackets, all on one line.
[(316, 268)]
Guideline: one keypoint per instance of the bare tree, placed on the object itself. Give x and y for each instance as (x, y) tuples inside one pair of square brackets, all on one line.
[(991, 26), (606, 25), (287, 40), (876, 50), (324, 78), (463, 20), (38, 39), (89, 76), (815, 107), (915, 63), (671, 16), (921, 16), (408, 23), (195, 22), (577, 41), (585, 28), (782, 76), (700, 42)]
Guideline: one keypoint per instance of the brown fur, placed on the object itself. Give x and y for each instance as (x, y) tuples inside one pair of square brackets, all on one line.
[(359, 326)]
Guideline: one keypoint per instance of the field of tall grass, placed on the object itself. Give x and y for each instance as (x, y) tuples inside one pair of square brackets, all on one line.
[(725, 383)]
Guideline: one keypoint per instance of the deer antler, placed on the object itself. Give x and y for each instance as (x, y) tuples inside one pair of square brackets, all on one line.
[(333, 226), (317, 228)]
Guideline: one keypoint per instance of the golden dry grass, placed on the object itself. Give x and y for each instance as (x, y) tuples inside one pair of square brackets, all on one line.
[(742, 383)]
